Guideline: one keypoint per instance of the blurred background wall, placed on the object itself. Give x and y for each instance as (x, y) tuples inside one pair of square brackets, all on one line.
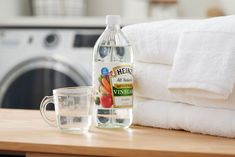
[(11, 8), (127, 8)]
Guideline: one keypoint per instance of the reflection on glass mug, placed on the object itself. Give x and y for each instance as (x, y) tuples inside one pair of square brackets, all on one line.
[(73, 108)]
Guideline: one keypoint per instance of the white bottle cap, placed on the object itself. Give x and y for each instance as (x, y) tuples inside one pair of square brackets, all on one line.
[(113, 19)]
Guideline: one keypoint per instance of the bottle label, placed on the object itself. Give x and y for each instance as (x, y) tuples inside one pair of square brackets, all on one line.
[(113, 83)]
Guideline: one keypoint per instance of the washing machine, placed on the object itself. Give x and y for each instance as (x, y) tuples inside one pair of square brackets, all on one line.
[(35, 59)]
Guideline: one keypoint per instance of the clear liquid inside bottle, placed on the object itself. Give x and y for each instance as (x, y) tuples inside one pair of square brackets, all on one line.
[(112, 48)]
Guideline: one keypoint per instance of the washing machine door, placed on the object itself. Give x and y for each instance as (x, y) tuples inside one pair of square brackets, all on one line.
[(26, 84)]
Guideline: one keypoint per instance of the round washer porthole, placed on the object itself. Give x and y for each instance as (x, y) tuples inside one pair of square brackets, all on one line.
[(25, 85)]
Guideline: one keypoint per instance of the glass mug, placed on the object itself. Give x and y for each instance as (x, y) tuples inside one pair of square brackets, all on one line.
[(73, 108)]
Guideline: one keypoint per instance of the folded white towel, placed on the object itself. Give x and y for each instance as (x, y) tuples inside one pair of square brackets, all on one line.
[(204, 64), (156, 42), (151, 82), (191, 118)]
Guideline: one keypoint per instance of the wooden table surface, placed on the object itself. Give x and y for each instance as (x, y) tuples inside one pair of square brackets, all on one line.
[(24, 131)]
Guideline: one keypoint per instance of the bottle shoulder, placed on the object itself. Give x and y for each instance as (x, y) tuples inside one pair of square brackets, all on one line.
[(112, 46), (113, 37)]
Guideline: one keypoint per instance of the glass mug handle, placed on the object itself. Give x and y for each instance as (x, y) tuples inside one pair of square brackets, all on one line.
[(45, 101)]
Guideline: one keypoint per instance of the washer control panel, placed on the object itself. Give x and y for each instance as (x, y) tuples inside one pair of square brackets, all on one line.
[(48, 39)]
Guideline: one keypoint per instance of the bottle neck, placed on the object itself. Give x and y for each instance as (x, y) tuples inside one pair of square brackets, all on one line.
[(113, 27)]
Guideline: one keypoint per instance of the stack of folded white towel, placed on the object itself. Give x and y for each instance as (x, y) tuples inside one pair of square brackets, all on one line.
[(185, 74)]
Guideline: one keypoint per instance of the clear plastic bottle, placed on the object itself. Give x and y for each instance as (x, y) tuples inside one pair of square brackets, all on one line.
[(112, 77)]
